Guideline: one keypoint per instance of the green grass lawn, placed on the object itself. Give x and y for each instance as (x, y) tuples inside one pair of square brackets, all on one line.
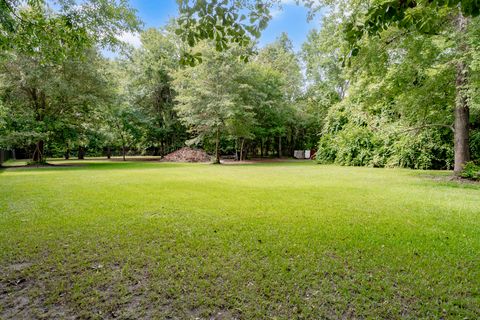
[(267, 241)]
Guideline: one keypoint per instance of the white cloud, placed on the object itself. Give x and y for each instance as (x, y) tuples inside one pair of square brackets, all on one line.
[(132, 38), (276, 13)]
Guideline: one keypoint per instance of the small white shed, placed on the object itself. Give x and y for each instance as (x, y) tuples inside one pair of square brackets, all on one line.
[(299, 154)]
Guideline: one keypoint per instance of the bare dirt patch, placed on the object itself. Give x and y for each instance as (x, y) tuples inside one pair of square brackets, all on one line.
[(454, 179), (19, 266)]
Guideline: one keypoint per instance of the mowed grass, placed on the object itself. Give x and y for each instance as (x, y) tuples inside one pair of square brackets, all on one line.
[(267, 241)]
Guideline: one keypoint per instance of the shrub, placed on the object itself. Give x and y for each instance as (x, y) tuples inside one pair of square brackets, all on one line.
[(471, 171), (327, 151), (355, 135), (475, 145), (356, 146), (429, 149), (42, 162)]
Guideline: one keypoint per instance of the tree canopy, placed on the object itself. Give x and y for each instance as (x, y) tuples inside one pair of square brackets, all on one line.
[(381, 83)]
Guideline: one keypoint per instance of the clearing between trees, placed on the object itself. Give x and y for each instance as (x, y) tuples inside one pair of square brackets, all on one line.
[(270, 240)]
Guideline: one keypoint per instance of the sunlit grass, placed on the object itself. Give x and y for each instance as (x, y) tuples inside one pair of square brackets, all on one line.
[(286, 240)]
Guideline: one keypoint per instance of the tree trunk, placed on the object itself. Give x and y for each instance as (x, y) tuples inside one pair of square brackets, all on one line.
[(237, 155), (38, 153), (279, 146), (123, 151), (241, 149), (217, 148), (462, 110), (14, 155), (461, 135), (109, 152), (81, 153), (67, 152)]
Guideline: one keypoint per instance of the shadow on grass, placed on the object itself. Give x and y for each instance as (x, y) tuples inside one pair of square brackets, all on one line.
[(89, 165)]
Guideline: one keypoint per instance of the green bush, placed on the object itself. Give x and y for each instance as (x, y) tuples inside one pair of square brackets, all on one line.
[(355, 134), (327, 151), (475, 145), (42, 162), (360, 145), (471, 171), (429, 149), (355, 146)]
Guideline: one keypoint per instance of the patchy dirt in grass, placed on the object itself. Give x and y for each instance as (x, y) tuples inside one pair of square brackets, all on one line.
[(187, 154), (455, 179), (19, 266), (39, 295), (463, 180)]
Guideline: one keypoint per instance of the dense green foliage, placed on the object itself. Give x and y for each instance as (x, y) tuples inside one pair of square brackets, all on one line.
[(52, 78), (404, 72), (401, 92), (222, 23), (390, 101), (471, 171), (51, 32), (285, 240)]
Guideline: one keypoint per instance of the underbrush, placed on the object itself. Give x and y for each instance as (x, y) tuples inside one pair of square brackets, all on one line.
[(471, 171)]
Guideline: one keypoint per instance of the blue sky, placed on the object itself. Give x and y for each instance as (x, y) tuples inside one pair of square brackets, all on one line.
[(292, 20)]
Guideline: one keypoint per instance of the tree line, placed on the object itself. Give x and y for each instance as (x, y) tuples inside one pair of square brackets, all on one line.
[(386, 84)]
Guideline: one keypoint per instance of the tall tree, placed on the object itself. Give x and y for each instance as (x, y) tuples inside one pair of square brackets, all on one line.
[(280, 57), (429, 18), (38, 41), (207, 95), (47, 100), (150, 89), (367, 19)]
